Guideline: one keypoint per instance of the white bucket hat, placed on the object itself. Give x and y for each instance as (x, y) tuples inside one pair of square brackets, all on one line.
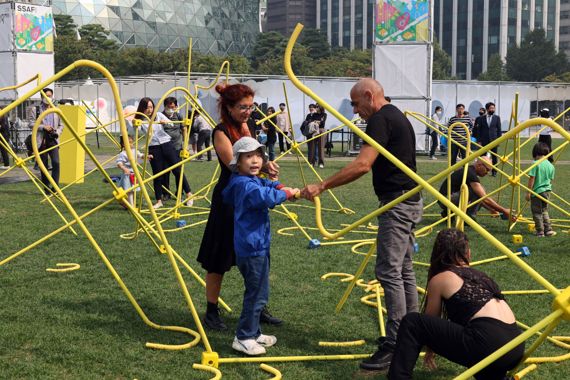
[(245, 145)]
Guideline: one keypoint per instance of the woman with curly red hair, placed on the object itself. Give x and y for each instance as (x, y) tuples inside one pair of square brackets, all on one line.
[(217, 254)]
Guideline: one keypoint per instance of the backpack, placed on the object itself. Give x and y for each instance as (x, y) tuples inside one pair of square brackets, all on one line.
[(28, 143), (309, 128), (305, 128)]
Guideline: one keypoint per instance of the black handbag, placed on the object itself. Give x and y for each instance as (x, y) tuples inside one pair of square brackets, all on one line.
[(50, 140)]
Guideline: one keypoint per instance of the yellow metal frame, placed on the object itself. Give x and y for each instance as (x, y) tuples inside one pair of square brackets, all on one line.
[(157, 234), (119, 195), (562, 300)]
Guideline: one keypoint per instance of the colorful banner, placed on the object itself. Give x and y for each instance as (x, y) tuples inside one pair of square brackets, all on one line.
[(33, 28), (401, 21)]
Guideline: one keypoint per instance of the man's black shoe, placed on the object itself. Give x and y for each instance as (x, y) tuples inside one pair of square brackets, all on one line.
[(493, 173), (214, 322), (165, 197), (380, 361), (266, 317)]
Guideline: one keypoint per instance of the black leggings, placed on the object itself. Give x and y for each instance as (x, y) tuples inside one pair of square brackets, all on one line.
[(164, 156), (4, 152), (464, 345), (434, 143)]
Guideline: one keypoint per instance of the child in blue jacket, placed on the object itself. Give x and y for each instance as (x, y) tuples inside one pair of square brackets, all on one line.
[(252, 197)]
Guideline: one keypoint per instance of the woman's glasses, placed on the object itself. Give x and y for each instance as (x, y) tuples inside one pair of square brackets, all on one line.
[(243, 108)]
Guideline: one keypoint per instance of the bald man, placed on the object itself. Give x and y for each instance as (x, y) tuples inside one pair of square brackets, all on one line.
[(388, 126), (480, 168)]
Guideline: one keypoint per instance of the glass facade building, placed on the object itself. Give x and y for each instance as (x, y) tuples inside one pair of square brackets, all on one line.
[(471, 31), (216, 26), (347, 23)]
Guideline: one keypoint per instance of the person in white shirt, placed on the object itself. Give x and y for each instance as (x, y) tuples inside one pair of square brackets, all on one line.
[(204, 135), (127, 178), (282, 121), (545, 134), (438, 118), (162, 150)]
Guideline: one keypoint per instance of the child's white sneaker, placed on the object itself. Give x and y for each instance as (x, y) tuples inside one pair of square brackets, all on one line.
[(248, 346), (266, 340)]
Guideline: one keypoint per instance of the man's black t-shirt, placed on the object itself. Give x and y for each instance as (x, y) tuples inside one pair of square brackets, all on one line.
[(456, 178), (391, 129)]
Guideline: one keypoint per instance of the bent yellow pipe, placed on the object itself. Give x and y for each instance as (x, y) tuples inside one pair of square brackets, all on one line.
[(274, 371), (422, 184)]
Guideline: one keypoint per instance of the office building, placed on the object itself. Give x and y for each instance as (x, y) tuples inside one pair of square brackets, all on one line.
[(471, 31), (565, 26), (283, 15), (347, 23)]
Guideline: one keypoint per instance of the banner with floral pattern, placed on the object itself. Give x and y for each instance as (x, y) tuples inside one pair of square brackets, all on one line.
[(33, 28), (401, 21)]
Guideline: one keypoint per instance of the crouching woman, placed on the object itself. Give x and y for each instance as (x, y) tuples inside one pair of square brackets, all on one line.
[(479, 320)]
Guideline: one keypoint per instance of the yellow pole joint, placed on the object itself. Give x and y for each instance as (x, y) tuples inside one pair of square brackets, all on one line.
[(295, 145), (137, 123), (562, 302), (187, 122), (211, 359), (184, 154), (163, 249), (19, 162), (514, 180), (120, 194)]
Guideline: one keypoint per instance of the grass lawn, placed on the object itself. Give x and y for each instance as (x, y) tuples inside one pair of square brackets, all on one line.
[(80, 324)]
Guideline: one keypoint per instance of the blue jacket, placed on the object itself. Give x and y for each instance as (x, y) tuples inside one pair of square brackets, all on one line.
[(252, 197)]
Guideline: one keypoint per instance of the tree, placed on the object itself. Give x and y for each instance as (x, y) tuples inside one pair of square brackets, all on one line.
[(268, 46), (565, 77), (64, 26), (67, 49), (535, 59), (97, 37), (344, 63), (301, 63), (316, 42), (441, 63), (495, 70)]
